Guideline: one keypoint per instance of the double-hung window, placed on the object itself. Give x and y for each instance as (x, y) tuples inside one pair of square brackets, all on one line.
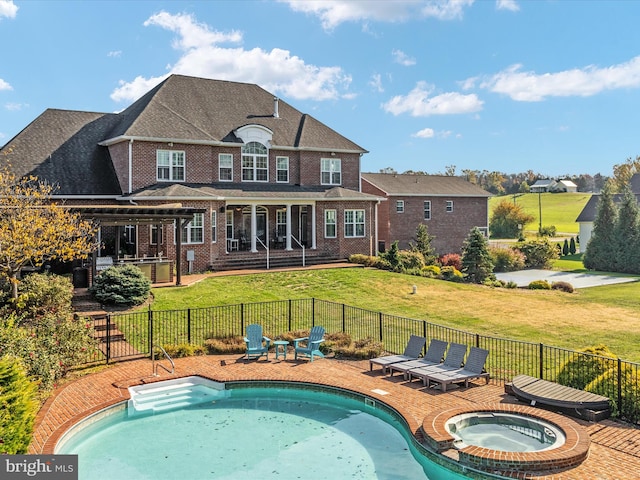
[(354, 223), (399, 206), (156, 234), (427, 209), (282, 169), (330, 171), (330, 224), (170, 165), (254, 163), (225, 167), (449, 207), (193, 232)]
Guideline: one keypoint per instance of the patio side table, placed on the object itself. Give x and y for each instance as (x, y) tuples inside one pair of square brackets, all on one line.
[(281, 348)]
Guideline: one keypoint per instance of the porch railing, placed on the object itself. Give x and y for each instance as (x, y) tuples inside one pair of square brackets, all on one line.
[(302, 247), (138, 331)]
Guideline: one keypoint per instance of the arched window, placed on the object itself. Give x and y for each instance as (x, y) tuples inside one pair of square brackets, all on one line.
[(255, 162)]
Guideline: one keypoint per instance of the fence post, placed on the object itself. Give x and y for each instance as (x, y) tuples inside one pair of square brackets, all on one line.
[(620, 412), (380, 324), (541, 373), (289, 322), (189, 326), (477, 340), (241, 318), (108, 338), (150, 315), (313, 312), (344, 321)]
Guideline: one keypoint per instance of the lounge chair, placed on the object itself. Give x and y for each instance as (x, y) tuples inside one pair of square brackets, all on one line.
[(257, 344), (452, 361), (311, 345), (473, 368), (434, 355), (411, 352)]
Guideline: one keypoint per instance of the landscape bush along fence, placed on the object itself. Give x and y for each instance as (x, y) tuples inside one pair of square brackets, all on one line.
[(132, 335)]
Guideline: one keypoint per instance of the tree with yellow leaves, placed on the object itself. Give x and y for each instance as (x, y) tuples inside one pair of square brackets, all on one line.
[(34, 229)]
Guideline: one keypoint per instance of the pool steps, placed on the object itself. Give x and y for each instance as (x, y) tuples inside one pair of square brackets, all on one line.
[(153, 398)]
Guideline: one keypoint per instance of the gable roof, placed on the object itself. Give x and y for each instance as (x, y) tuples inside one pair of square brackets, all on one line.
[(567, 183), (544, 183), (69, 148), (590, 209), (424, 185)]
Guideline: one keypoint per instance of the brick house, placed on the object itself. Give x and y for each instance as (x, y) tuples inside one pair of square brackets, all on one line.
[(251, 180), (449, 206)]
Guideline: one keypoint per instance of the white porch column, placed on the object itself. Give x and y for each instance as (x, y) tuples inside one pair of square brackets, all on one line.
[(288, 228), (313, 226), (254, 229)]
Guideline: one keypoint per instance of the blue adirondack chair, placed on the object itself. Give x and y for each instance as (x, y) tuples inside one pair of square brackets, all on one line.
[(257, 344), (311, 345)]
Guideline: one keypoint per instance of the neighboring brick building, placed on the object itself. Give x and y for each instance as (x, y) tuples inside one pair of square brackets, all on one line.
[(260, 178), (449, 206)]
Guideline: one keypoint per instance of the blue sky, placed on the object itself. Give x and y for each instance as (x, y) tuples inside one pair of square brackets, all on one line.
[(507, 85)]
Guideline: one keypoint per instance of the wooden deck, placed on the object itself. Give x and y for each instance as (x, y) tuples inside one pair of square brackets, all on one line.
[(546, 393)]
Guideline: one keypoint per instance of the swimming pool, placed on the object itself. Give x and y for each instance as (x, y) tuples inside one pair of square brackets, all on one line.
[(253, 432)]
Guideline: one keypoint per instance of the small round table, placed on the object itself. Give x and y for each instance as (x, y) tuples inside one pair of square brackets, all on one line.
[(281, 348)]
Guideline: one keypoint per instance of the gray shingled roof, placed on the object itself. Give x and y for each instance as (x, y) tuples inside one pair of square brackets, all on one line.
[(431, 185), (590, 209), (64, 147)]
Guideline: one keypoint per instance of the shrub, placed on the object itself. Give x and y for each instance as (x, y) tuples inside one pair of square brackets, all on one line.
[(366, 260), (538, 253), (539, 285), (583, 368), (548, 231), (506, 259), (225, 344), (181, 350), (451, 274), (451, 260), (41, 293), (431, 271), (606, 385), (18, 407), (410, 260), (563, 286), (342, 345), (121, 285)]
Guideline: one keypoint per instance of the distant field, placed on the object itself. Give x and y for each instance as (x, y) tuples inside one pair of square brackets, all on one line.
[(558, 209)]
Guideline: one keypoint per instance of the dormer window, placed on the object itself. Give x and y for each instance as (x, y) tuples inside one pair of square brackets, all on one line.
[(255, 163)]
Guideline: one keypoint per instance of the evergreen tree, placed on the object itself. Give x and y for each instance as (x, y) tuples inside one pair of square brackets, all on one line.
[(625, 234), (476, 260), (600, 251), (565, 248), (423, 244), (572, 246)]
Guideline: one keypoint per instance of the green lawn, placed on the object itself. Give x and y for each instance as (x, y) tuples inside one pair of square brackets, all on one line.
[(558, 209), (591, 316)]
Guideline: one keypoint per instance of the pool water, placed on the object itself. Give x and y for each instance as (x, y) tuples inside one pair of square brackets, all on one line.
[(253, 433)]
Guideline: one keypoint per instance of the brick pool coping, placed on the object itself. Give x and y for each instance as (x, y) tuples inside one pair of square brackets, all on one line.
[(614, 452), (572, 453)]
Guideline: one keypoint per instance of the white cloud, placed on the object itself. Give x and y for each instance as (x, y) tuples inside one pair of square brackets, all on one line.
[(425, 133), (402, 58), (531, 87), (510, 5), (5, 85), (115, 53), (277, 70), (334, 12), (420, 103), (8, 9), (14, 107), (376, 83)]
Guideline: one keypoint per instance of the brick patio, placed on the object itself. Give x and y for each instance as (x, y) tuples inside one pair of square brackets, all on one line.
[(614, 451)]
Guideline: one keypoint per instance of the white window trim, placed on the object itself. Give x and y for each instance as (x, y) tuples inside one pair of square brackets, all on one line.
[(333, 162), (282, 169), (355, 223), (220, 167), (449, 206), (188, 228), (399, 206), (214, 226), (426, 210), (334, 223), (172, 165), (254, 166)]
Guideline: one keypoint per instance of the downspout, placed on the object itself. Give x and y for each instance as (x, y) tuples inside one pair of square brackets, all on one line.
[(130, 165)]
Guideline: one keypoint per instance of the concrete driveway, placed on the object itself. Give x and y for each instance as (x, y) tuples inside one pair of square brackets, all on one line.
[(578, 280)]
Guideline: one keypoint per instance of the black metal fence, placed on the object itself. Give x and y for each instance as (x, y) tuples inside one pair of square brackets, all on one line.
[(132, 335)]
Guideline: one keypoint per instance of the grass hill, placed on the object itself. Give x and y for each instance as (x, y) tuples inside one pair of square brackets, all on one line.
[(558, 209)]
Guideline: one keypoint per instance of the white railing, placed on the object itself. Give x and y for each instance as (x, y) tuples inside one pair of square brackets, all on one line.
[(266, 247), (301, 246)]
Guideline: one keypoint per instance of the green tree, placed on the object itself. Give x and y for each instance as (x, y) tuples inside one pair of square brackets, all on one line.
[(565, 248), (623, 172), (505, 219), (476, 260), (423, 244), (34, 229), (18, 407), (599, 250), (625, 235), (572, 246)]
